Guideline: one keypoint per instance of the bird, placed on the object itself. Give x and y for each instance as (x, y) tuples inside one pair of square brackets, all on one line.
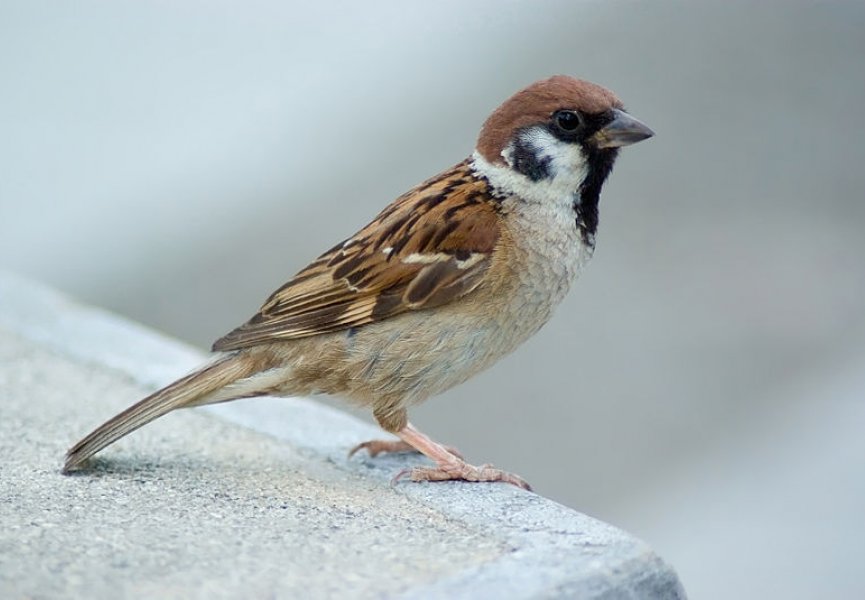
[(446, 280)]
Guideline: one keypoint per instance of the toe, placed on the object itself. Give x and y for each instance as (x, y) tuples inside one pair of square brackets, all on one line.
[(460, 471), (376, 447)]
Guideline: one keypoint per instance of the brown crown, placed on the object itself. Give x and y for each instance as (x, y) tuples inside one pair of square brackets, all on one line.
[(535, 104)]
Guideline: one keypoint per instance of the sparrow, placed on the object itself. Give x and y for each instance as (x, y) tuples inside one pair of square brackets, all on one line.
[(449, 278)]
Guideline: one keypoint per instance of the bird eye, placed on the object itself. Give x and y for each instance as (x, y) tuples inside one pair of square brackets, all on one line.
[(567, 120)]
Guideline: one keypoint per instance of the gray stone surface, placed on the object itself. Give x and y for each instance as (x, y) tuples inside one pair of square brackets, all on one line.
[(254, 498)]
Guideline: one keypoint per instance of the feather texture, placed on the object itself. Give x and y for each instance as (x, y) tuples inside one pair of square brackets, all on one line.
[(429, 247)]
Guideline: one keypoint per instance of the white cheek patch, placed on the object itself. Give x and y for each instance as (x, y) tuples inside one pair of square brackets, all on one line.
[(567, 168), (563, 159)]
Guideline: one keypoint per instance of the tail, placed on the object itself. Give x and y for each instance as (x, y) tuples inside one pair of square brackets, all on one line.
[(194, 389)]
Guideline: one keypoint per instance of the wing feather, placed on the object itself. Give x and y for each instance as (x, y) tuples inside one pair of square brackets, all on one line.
[(429, 247)]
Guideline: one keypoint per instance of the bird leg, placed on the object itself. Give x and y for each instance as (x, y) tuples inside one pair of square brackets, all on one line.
[(449, 464), (376, 447)]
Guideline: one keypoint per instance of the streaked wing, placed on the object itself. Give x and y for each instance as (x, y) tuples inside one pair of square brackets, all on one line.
[(427, 248)]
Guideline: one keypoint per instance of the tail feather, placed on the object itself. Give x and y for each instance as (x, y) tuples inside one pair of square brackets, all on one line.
[(187, 391)]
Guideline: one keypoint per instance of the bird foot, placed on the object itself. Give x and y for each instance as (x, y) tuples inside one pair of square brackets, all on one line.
[(450, 465), (462, 471), (376, 447)]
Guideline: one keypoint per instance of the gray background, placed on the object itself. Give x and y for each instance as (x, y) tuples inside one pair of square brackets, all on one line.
[(702, 386)]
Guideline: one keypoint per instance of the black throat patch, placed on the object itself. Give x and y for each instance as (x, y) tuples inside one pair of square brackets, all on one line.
[(599, 164)]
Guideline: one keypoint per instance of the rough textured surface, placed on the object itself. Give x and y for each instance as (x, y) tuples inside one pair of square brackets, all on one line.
[(196, 506)]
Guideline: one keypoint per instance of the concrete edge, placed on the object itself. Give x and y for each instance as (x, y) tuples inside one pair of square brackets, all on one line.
[(556, 551)]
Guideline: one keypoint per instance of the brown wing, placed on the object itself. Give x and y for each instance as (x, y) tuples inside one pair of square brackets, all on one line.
[(427, 248)]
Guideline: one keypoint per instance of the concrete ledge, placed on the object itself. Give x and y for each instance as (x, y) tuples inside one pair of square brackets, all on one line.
[(195, 506)]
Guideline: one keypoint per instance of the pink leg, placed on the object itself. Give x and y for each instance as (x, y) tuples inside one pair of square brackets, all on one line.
[(376, 447), (448, 466)]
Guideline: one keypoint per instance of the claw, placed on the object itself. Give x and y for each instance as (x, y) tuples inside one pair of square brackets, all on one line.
[(461, 471), (400, 475), (449, 462), (376, 447)]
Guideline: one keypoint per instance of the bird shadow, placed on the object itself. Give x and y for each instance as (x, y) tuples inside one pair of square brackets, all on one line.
[(130, 467)]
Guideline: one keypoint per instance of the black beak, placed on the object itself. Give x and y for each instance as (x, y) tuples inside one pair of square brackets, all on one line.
[(623, 130)]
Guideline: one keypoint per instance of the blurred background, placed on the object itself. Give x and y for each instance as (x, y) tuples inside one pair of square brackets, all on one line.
[(702, 386)]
